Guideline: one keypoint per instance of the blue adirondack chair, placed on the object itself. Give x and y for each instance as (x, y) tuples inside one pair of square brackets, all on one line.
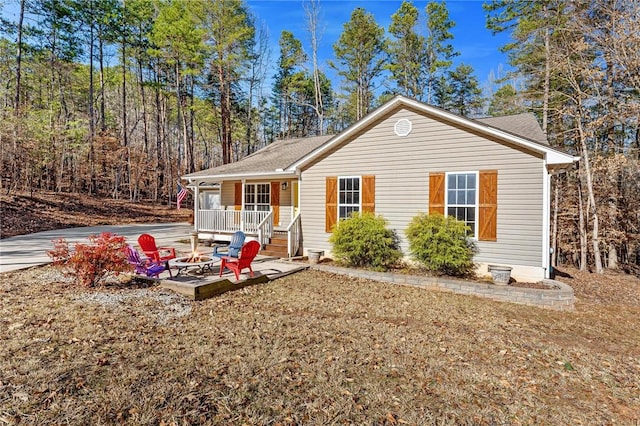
[(233, 249)]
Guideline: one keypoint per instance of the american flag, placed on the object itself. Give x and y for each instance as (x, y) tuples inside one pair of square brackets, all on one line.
[(182, 193)]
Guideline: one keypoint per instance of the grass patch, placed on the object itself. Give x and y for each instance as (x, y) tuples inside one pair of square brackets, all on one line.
[(311, 348)]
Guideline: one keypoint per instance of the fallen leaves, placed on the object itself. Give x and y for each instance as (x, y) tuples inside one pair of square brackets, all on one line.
[(311, 348)]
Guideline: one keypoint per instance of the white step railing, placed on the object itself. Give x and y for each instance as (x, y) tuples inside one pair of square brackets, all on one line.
[(265, 229), (294, 235)]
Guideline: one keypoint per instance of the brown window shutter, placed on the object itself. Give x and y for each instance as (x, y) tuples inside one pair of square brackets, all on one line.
[(237, 199), (331, 202), (275, 202), (488, 213), (436, 192), (368, 194)]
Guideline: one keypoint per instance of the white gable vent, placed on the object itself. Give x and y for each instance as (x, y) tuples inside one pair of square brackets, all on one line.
[(402, 127)]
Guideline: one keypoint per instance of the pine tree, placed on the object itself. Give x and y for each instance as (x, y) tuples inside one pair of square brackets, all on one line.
[(407, 53), (230, 31), (359, 54), (440, 53), (459, 92)]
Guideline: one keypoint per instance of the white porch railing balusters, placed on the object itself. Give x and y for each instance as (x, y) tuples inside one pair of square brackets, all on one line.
[(230, 221)]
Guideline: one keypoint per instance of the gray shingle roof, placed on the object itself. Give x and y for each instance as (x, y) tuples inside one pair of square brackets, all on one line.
[(524, 125), (277, 156), (281, 154)]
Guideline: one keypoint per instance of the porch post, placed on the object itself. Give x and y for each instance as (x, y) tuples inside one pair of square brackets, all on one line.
[(196, 207), (242, 207)]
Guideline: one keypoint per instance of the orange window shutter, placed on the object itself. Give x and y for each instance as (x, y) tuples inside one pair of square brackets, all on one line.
[(436, 193), (368, 194), (488, 208), (275, 201), (331, 202), (237, 199)]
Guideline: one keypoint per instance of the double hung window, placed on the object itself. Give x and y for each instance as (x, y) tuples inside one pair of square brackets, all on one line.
[(348, 196), (257, 197), (462, 198)]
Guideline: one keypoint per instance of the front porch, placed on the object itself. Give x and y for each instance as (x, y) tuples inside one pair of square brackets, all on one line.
[(220, 225)]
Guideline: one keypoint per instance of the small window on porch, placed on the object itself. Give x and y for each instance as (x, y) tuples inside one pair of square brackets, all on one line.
[(257, 197)]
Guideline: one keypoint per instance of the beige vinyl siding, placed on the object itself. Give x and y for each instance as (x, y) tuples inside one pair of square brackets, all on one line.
[(227, 194), (285, 205), (401, 167)]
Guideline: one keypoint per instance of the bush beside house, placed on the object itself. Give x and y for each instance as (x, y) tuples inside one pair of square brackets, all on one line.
[(364, 241), (441, 244)]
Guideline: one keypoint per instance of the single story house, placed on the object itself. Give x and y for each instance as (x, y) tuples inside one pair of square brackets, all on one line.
[(403, 158)]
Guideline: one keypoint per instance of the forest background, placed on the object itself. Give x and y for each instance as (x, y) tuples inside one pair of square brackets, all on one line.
[(119, 98)]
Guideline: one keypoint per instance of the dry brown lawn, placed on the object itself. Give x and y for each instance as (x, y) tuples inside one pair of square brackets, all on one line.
[(314, 348)]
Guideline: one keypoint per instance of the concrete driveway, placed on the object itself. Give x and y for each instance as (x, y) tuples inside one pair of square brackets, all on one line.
[(24, 251)]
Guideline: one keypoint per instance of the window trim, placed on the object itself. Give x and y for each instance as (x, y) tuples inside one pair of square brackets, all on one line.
[(476, 204), (338, 204), (244, 195)]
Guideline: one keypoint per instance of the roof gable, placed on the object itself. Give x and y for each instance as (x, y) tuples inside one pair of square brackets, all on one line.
[(521, 130)]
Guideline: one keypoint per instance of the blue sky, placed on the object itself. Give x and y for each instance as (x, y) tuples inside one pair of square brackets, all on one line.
[(476, 45)]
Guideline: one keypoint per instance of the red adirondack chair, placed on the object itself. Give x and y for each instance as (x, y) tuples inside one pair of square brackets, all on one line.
[(144, 266), (157, 254), (247, 254)]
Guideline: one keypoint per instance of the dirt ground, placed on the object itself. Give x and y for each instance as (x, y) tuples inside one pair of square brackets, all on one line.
[(24, 214), (311, 348)]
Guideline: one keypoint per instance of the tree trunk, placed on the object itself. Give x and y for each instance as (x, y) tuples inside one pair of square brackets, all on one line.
[(225, 115), (582, 229), (547, 76), (613, 257), (554, 233), (92, 130), (160, 166), (312, 12), (143, 100), (591, 198), (103, 120), (19, 59), (125, 134)]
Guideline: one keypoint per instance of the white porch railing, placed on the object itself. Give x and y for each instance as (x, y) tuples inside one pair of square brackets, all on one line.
[(294, 235), (265, 229), (232, 221)]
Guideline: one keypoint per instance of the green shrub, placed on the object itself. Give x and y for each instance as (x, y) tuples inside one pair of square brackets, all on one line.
[(364, 241), (441, 244), (91, 263)]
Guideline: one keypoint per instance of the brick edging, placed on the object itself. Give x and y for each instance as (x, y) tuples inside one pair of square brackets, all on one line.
[(558, 297)]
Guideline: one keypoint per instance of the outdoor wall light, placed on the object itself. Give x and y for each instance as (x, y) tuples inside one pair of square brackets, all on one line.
[(284, 186)]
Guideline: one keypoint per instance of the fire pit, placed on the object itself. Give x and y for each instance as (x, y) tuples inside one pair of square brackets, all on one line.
[(194, 260)]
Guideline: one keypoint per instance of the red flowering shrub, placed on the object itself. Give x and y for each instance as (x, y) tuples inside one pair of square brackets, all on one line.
[(91, 263)]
